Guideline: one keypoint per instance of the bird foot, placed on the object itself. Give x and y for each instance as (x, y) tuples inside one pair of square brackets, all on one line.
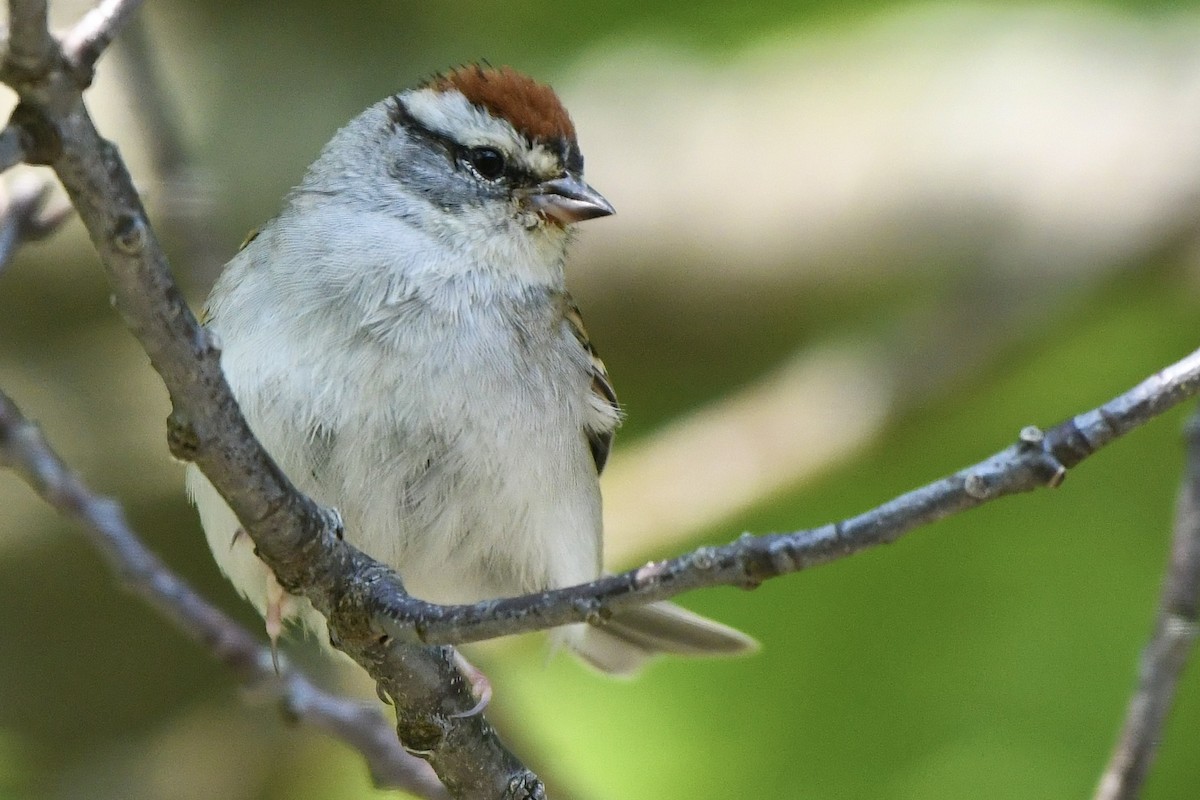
[(274, 617), (481, 687)]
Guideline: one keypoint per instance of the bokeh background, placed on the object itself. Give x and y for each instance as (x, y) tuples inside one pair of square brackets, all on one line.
[(858, 246)]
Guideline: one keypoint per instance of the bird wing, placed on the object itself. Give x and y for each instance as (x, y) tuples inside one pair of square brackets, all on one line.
[(605, 416)]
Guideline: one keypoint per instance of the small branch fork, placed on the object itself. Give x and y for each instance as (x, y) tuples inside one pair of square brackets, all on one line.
[(23, 449), (85, 42), (370, 616), (1170, 645)]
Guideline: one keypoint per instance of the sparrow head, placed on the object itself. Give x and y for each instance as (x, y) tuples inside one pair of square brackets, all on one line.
[(507, 138), (483, 161)]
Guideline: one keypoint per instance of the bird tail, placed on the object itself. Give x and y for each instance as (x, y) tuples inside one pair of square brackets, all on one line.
[(624, 643)]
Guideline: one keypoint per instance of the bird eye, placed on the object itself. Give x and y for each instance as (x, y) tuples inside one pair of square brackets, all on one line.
[(487, 161)]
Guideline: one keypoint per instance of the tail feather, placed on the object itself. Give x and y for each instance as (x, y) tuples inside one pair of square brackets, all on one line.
[(623, 644)]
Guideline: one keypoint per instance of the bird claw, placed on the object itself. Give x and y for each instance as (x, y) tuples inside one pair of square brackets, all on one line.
[(274, 617), (481, 687)]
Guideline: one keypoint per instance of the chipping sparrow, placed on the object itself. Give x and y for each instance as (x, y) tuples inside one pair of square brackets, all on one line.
[(401, 341)]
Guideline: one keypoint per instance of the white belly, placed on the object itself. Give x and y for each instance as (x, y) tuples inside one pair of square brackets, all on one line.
[(469, 475)]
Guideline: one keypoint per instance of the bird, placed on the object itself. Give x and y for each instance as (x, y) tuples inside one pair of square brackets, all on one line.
[(401, 341)]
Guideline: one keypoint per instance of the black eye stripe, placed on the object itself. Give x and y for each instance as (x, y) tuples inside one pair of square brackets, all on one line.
[(401, 117), (514, 173)]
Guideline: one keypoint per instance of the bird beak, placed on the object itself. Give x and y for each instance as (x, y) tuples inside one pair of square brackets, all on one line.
[(568, 199)]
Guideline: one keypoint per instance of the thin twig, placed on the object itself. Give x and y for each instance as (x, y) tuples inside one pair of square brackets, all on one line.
[(23, 215), (1037, 460), (85, 42), (29, 42), (12, 149), (1170, 645), (25, 450)]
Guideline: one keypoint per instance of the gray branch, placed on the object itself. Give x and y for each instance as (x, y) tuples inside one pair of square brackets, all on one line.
[(1039, 459), (23, 214), (29, 41), (85, 42), (1170, 645), (301, 542), (25, 450), (12, 149)]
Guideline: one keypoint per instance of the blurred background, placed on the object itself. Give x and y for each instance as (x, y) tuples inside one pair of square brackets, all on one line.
[(858, 246)]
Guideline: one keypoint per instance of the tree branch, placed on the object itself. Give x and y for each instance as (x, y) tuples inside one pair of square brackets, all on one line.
[(12, 149), (85, 42), (1037, 460), (23, 215), (300, 542), (29, 40), (1170, 645), (25, 450)]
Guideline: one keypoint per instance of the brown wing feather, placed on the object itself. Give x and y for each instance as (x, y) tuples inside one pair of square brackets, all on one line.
[(607, 416)]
